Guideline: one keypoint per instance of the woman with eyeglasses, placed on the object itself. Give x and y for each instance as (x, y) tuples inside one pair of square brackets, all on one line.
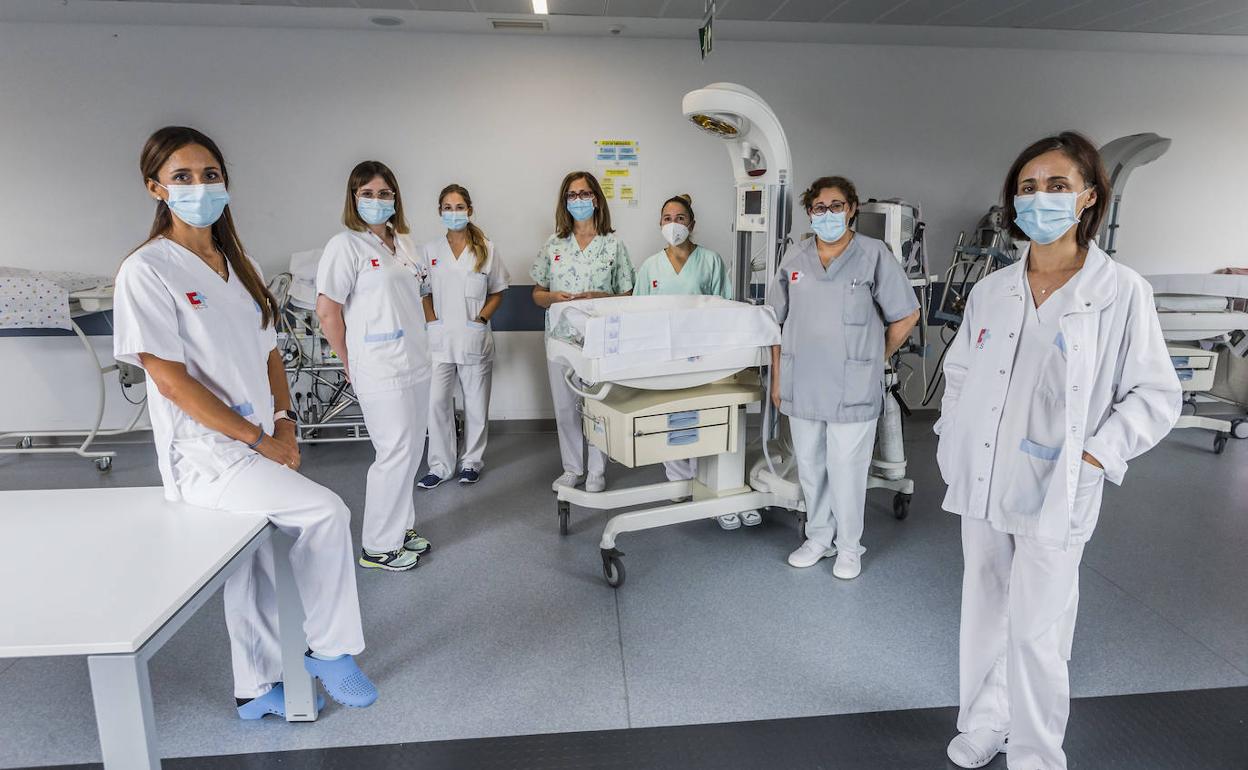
[(845, 305), (369, 285), (584, 259), (192, 310), (684, 267), (467, 280), (1058, 376)]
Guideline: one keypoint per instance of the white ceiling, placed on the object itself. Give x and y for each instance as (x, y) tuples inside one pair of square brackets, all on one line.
[(1220, 17)]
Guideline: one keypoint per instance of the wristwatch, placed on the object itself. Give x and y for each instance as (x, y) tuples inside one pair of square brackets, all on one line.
[(285, 414)]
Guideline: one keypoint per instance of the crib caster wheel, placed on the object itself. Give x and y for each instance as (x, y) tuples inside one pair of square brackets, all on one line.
[(901, 506), (612, 567), (1239, 428), (26, 443), (1219, 443), (565, 512), (103, 464)]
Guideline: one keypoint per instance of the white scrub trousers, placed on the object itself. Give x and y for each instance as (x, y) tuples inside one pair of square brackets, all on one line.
[(474, 380), (1019, 601), (321, 559), (833, 460), (568, 422), (396, 424), (681, 470)]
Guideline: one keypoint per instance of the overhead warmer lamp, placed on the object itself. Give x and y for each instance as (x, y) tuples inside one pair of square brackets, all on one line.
[(761, 165)]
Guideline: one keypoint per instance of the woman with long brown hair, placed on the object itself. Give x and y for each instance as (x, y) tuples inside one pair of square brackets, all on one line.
[(584, 259), (369, 286), (467, 279), (192, 310)]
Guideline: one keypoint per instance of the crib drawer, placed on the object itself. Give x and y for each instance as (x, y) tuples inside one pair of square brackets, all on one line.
[(696, 418), (680, 444)]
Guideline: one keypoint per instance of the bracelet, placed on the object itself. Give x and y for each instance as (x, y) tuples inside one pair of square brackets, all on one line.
[(259, 438)]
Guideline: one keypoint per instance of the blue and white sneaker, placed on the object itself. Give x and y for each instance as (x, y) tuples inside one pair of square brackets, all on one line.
[(272, 702), (342, 679), (414, 542), (399, 560), (469, 476), (430, 481)]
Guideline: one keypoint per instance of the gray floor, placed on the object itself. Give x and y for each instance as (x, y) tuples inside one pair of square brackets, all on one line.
[(509, 629)]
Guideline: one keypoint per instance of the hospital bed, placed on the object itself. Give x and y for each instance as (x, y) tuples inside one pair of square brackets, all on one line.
[(323, 398), (1204, 318), (32, 299), (671, 378)]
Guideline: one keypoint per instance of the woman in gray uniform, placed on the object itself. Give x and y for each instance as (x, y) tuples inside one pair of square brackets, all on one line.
[(846, 305)]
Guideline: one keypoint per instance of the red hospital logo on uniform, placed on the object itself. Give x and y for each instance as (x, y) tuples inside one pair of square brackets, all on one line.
[(375, 262), (556, 257), (795, 276), (433, 262), (654, 284), (197, 300)]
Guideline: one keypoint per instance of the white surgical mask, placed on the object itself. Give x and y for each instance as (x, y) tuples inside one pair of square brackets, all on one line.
[(675, 233)]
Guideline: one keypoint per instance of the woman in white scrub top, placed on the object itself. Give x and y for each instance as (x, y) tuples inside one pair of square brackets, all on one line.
[(192, 310), (584, 259), (845, 305), (1058, 376), (467, 279), (369, 286), (684, 267)]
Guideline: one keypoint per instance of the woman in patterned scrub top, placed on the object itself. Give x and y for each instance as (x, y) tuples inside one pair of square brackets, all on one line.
[(582, 260)]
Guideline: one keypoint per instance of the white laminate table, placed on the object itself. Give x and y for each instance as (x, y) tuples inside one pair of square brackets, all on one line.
[(139, 567)]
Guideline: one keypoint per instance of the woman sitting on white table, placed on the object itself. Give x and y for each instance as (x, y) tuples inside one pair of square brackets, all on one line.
[(191, 308)]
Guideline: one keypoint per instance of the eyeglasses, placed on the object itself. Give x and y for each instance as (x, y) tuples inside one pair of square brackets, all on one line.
[(584, 195), (837, 207), (678, 218), (381, 195)]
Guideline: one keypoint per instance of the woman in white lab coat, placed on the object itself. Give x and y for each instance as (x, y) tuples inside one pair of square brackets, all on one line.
[(192, 310), (584, 259), (467, 279), (1058, 376), (369, 285)]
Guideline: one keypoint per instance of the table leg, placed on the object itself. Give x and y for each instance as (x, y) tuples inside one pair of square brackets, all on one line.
[(300, 689), (122, 692)]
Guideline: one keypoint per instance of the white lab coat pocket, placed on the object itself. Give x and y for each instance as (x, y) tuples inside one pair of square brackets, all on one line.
[(437, 336), (477, 346), (475, 285), (863, 383), (859, 304), (1033, 467), (786, 377), (1087, 507)]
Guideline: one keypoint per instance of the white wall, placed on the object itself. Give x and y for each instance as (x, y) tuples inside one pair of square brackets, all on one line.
[(508, 115)]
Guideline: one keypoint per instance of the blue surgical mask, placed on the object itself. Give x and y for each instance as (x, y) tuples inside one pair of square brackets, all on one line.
[(581, 210), (828, 226), (374, 211), (1045, 217), (455, 220), (198, 205)]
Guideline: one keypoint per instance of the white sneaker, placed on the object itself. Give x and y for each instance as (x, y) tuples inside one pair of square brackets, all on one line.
[(809, 554), (729, 521), (751, 518), (566, 480), (848, 566), (595, 483), (976, 748)]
